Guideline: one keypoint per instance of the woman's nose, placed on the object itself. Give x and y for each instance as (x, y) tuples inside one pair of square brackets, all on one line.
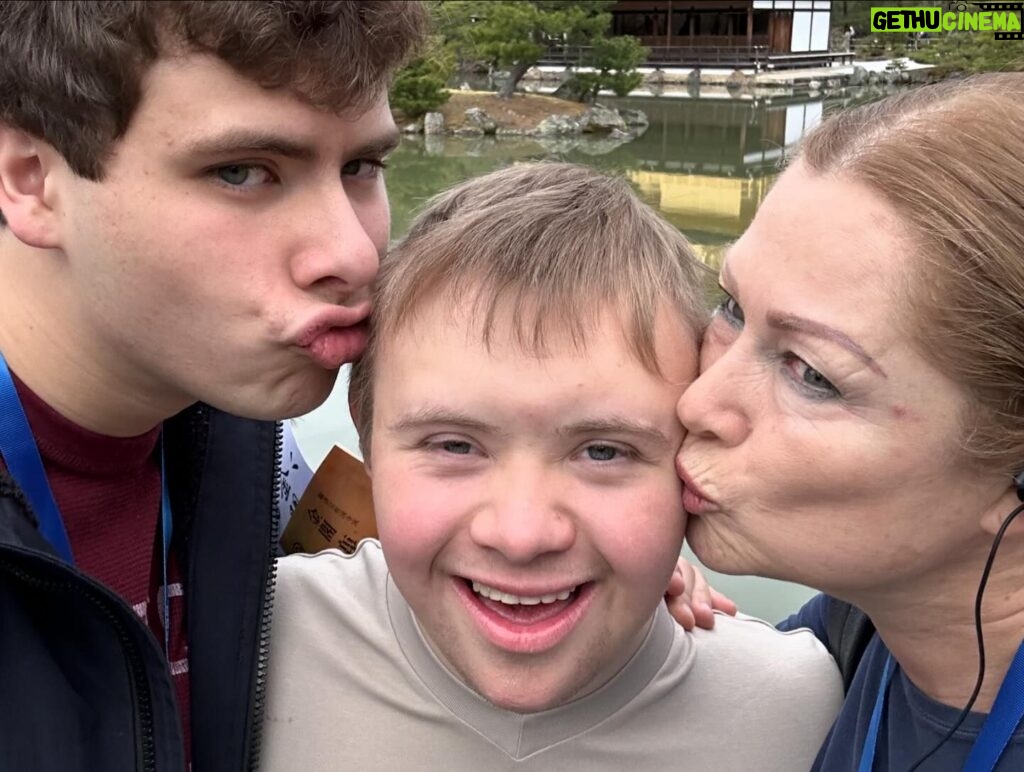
[(717, 405)]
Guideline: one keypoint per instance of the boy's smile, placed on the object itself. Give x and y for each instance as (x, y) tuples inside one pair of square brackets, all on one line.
[(525, 623), (528, 503)]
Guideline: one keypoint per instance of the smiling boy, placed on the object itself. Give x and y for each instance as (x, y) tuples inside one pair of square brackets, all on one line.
[(516, 408), (192, 212)]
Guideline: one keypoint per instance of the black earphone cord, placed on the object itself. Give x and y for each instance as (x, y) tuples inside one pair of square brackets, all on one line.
[(978, 631)]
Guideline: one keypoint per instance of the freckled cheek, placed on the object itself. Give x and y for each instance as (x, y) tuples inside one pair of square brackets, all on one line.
[(239, 266)]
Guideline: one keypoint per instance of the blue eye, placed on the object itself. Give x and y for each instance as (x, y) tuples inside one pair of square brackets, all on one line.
[(243, 176), (458, 447), (607, 453), (809, 380), (731, 311), (601, 452), (233, 175)]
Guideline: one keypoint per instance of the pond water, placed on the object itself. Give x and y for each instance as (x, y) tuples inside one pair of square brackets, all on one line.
[(706, 164)]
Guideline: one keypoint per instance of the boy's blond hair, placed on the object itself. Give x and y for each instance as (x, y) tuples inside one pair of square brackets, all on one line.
[(557, 244)]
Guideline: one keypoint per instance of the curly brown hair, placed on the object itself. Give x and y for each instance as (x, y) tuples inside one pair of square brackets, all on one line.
[(72, 71)]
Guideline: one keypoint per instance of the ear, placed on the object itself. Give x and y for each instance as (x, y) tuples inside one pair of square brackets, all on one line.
[(992, 520), (25, 199)]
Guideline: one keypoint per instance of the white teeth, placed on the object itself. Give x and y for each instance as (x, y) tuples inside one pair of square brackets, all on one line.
[(519, 600)]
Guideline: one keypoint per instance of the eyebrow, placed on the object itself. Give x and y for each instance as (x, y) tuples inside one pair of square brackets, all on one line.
[(253, 141), (794, 323), (433, 416), (378, 146), (617, 425), (250, 141), (420, 419), (781, 321)]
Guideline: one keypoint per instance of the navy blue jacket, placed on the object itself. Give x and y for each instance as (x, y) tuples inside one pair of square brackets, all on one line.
[(912, 723), (83, 682)]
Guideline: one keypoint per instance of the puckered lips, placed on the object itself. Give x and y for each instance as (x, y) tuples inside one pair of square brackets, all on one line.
[(335, 336), (695, 501), (525, 620)]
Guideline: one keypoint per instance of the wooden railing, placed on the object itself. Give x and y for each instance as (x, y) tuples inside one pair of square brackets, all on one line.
[(756, 57), (689, 56)]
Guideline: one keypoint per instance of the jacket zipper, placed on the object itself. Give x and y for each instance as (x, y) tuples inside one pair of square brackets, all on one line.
[(266, 608), (145, 743)]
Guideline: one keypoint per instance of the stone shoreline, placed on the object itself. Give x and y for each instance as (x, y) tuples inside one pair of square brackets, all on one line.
[(534, 112), (527, 115)]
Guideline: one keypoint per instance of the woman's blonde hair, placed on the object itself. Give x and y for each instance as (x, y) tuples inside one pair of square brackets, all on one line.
[(558, 244), (949, 159)]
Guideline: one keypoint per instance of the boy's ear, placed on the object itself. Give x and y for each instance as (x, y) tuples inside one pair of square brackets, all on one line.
[(25, 199)]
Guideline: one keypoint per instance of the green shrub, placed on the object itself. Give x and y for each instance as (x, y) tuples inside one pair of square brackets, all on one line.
[(623, 82), (419, 88), (614, 62), (970, 52)]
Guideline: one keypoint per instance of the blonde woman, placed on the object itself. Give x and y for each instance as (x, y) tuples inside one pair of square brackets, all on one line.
[(859, 421)]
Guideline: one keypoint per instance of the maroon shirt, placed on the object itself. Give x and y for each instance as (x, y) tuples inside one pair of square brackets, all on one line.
[(108, 492)]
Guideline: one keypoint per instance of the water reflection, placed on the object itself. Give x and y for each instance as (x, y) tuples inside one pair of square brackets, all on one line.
[(706, 164)]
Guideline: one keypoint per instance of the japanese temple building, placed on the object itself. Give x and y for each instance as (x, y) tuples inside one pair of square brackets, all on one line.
[(756, 34)]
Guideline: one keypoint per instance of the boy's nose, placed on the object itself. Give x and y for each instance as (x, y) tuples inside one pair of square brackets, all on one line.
[(524, 520)]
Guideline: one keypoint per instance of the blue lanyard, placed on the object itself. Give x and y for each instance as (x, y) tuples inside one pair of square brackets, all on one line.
[(21, 456), (867, 756), (1002, 721), (1007, 712)]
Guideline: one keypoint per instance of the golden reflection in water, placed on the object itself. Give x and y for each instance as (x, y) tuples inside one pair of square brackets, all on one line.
[(699, 204)]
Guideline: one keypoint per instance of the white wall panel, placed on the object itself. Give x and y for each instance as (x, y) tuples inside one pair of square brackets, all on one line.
[(819, 31), (801, 40)]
